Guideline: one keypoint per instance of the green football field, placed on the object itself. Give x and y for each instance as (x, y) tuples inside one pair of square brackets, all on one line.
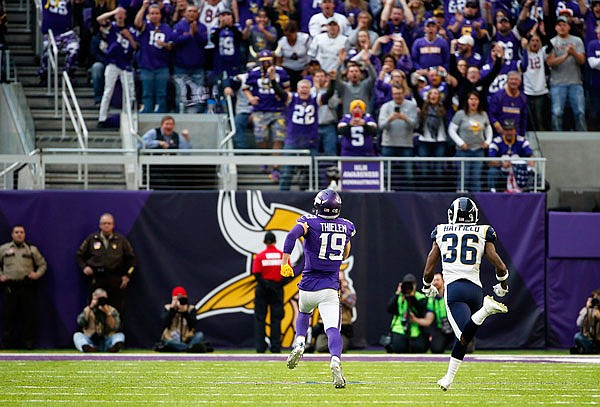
[(130, 379)]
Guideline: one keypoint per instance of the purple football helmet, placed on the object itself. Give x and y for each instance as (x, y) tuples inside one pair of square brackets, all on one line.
[(328, 204), (463, 210)]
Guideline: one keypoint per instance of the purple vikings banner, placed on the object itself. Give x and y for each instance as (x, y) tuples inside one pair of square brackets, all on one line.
[(205, 241)]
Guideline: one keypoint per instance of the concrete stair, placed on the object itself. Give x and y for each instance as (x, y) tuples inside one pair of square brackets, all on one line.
[(48, 126)]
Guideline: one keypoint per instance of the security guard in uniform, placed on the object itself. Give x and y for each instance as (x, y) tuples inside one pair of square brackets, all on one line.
[(107, 259), (21, 265)]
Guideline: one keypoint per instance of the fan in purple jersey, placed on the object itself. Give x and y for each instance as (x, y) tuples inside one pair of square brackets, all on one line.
[(506, 37), (119, 54), (470, 23), (302, 121), (396, 22), (57, 16), (463, 49), (269, 121), (500, 80), (227, 38), (430, 50), (358, 130), (155, 43), (508, 145), (509, 103), (190, 60), (326, 245)]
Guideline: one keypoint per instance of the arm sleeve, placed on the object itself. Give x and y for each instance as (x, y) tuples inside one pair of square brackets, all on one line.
[(292, 236), (453, 133)]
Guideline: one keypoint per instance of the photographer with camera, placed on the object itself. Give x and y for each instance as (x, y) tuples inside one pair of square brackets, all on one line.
[(587, 340), (179, 334), (99, 323), (411, 315)]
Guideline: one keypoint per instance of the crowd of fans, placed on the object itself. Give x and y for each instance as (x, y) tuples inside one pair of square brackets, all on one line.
[(519, 60)]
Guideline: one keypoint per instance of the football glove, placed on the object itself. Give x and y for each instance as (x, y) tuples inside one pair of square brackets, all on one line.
[(287, 270), (499, 291), (430, 291)]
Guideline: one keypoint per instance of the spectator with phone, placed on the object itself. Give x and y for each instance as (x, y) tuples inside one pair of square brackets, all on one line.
[(100, 324), (358, 130), (398, 119)]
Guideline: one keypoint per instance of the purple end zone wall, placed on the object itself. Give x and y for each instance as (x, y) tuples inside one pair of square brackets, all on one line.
[(205, 242)]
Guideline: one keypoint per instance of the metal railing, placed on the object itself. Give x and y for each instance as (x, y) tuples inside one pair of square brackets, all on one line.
[(38, 25), (387, 171), (8, 71), (11, 164), (53, 70), (420, 173)]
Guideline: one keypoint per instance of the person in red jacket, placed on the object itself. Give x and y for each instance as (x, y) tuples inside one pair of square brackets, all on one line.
[(269, 292)]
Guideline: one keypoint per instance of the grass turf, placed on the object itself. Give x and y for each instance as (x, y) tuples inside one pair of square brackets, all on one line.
[(191, 383)]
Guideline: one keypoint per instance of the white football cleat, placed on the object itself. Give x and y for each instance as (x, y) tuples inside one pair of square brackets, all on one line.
[(338, 377), (444, 383), (295, 356), (493, 307)]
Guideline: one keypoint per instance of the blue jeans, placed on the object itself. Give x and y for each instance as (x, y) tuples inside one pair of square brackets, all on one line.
[(402, 172), (97, 74), (241, 139), (328, 139), (178, 346), (154, 89), (495, 176), (80, 339), (436, 149), (472, 174), (194, 80), (576, 98)]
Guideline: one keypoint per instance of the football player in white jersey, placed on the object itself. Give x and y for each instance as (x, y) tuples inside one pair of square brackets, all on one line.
[(460, 244)]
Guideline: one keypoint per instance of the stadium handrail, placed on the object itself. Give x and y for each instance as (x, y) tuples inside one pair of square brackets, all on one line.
[(53, 70)]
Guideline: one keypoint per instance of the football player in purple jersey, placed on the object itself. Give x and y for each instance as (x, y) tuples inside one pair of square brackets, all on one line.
[(326, 245)]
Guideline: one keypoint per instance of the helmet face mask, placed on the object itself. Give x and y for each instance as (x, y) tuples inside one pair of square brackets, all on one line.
[(327, 204), (463, 210)]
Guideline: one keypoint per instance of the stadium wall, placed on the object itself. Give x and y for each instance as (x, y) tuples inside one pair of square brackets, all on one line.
[(205, 242)]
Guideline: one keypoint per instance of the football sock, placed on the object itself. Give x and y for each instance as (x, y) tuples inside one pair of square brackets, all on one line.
[(453, 368), (334, 340), (479, 316), (300, 340), (302, 323)]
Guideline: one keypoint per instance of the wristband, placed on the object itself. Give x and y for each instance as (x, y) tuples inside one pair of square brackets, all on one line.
[(425, 283), (503, 278)]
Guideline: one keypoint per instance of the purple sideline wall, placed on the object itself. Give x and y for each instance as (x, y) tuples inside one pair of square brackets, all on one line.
[(573, 269), (189, 239)]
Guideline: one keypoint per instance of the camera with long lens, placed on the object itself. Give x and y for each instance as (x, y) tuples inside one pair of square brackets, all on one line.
[(183, 300), (102, 301)]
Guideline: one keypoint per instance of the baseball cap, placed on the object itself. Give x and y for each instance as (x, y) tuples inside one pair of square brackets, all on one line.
[(432, 21), (565, 12), (508, 124), (562, 19), (472, 4), (421, 78), (179, 291), (502, 19), (439, 12), (409, 278), (226, 10), (466, 40), (332, 20)]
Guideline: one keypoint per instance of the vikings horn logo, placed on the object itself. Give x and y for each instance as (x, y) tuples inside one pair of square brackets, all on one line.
[(246, 237)]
